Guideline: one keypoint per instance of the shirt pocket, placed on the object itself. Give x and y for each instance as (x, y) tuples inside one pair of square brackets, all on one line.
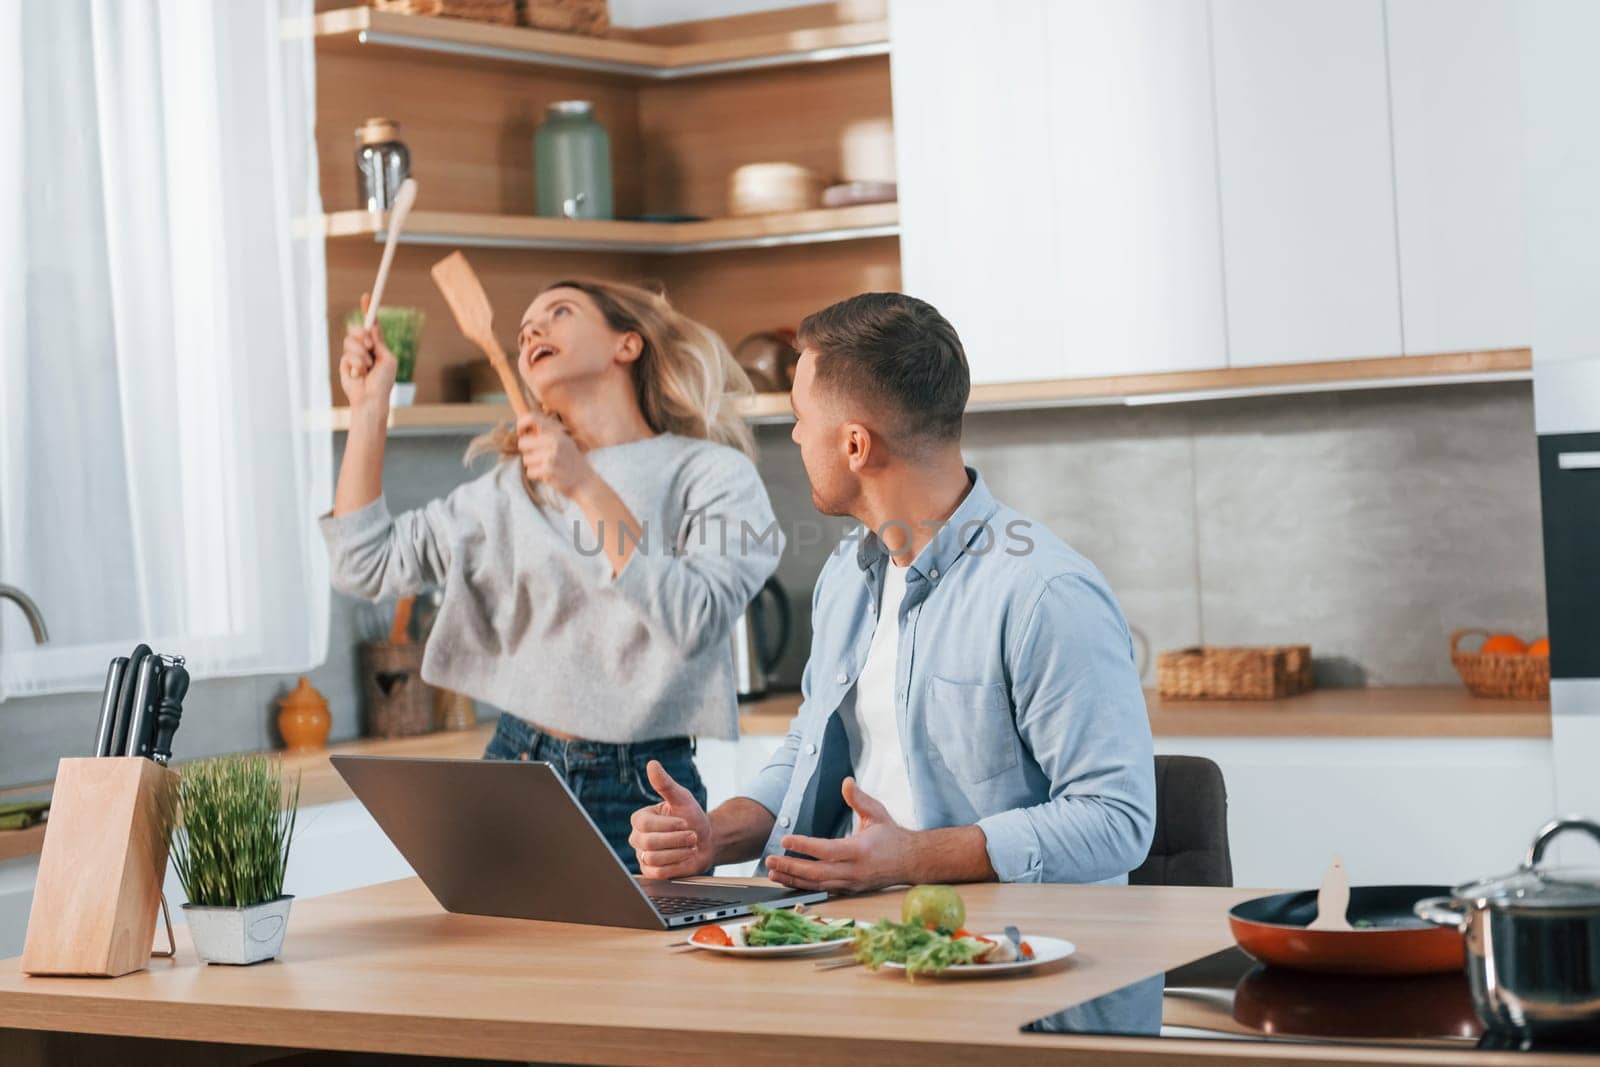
[(972, 728)]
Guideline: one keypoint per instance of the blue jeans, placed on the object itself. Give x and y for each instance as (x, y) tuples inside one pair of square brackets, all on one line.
[(608, 780)]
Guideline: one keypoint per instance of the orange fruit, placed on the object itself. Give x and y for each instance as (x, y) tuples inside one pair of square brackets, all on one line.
[(1540, 647), (1504, 645)]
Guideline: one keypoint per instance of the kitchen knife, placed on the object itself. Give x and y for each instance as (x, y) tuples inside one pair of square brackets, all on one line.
[(143, 689), (174, 686), (124, 712), (108, 706)]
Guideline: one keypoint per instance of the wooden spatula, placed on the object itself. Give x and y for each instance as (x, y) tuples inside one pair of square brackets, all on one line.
[(1333, 899), (470, 304)]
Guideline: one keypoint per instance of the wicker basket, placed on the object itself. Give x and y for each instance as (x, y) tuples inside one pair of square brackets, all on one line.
[(1234, 673), (503, 12), (399, 702), (1507, 676), (591, 18)]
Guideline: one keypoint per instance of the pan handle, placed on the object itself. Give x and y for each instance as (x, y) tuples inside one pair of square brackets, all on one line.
[(1441, 911)]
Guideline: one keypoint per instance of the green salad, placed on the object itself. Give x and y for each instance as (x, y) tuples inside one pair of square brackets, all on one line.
[(920, 949), (778, 926)]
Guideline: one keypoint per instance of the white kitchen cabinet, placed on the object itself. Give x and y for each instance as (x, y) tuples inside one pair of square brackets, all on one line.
[(1458, 174), (1308, 208), (973, 153), (1137, 231), (1057, 177)]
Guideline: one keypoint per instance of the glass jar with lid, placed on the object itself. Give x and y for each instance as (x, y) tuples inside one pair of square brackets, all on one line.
[(382, 163)]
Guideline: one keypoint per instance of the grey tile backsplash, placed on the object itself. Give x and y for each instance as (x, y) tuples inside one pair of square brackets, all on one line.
[(1367, 524)]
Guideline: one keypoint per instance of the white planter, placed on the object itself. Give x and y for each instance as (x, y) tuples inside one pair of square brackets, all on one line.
[(239, 935), (402, 394)]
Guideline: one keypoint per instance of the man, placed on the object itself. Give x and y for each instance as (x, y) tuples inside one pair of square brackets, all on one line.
[(974, 672)]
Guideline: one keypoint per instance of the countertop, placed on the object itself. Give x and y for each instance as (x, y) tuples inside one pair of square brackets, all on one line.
[(383, 969), (1399, 713)]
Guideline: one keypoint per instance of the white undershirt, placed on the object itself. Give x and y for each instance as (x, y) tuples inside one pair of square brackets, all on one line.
[(873, 727)]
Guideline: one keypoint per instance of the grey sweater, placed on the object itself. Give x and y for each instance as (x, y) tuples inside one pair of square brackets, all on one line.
[(532, 619)]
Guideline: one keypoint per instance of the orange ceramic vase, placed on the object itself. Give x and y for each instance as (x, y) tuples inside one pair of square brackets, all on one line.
[(303, 718)]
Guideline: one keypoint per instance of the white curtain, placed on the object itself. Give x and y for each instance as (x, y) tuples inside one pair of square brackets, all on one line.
[(162, 337)]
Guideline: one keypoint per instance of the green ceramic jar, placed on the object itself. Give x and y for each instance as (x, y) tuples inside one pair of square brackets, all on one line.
[(572, 163)]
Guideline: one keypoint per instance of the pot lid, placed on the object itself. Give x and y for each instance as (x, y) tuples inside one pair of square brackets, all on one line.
[(1536, 885)]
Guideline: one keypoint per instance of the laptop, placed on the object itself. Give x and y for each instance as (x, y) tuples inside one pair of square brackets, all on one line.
[(508, 838)]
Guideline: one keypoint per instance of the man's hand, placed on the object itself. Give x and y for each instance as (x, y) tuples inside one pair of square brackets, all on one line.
[(673, 838), (880, 853)]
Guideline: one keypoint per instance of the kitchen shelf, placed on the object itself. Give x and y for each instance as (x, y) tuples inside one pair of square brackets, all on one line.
[(1451, 368), (423, 419), (364, 29), (460, 229)]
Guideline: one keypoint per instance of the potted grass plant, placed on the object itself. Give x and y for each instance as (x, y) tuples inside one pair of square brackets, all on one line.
[(402, 331), (230, 855)]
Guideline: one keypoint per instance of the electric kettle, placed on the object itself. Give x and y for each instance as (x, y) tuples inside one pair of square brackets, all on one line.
[(755, 651)]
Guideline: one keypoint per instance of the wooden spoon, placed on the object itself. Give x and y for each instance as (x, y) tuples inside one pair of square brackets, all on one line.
[(470, 304), (403, 200), (1333, 900)]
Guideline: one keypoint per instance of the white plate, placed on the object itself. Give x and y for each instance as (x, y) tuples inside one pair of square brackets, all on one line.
[(1045, 950), (739, 948)]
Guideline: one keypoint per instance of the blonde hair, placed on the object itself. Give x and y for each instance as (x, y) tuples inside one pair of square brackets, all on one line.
[(685, 378)]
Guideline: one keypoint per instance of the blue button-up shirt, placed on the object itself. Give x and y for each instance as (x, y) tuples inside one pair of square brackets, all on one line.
[(1016, 696)]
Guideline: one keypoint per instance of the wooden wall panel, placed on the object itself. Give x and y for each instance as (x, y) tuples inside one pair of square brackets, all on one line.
[(469, 127), (695, 132), (738, 293), (511, 278)]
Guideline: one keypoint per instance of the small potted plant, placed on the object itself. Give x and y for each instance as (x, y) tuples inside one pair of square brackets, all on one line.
[(402, 330), (230, 856)]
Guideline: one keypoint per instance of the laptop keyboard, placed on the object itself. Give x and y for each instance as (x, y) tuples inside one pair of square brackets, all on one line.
[(683, 905)]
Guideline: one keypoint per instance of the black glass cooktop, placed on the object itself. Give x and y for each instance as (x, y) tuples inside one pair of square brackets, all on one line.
[(1228, 996)]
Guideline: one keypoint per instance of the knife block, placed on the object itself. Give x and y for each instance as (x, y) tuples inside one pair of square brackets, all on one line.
[(100, 873)]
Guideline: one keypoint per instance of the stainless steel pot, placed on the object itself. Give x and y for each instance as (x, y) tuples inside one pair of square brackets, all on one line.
[(1533, 942)]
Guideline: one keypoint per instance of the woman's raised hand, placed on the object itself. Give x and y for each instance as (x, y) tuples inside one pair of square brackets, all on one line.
[(367, 368), (550, 455)]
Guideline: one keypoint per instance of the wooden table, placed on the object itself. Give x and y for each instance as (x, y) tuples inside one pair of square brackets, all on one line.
[(383, 969)]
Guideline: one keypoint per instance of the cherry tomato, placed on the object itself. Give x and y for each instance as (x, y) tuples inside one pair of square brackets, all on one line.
[(712, 935)]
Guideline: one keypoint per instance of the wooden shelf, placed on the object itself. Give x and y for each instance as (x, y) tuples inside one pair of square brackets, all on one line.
[(460, 229), (423, 419), (1513, 364), (364, 29)]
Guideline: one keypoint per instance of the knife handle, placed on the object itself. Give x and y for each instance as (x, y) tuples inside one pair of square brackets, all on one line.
[(149, 669), (108, 706), (124, 709), (174, 687)]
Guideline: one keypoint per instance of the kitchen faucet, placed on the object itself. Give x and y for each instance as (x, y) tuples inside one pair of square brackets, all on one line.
[(41, 635)]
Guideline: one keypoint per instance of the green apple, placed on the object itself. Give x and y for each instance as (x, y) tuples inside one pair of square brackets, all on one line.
[(934, 905)]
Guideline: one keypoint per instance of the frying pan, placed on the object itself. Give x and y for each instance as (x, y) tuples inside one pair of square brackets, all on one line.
[(1273, 930)]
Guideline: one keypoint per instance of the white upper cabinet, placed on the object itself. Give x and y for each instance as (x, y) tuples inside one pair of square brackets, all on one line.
[(1058, 183), (1138, 281), (1112, 187), (1458, 164), (972, 137), (1308, 207)]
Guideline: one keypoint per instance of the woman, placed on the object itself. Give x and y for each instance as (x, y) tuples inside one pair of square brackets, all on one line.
[(592, 577)]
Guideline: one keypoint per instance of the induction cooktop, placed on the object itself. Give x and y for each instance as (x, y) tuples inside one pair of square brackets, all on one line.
[(1228, 996)]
